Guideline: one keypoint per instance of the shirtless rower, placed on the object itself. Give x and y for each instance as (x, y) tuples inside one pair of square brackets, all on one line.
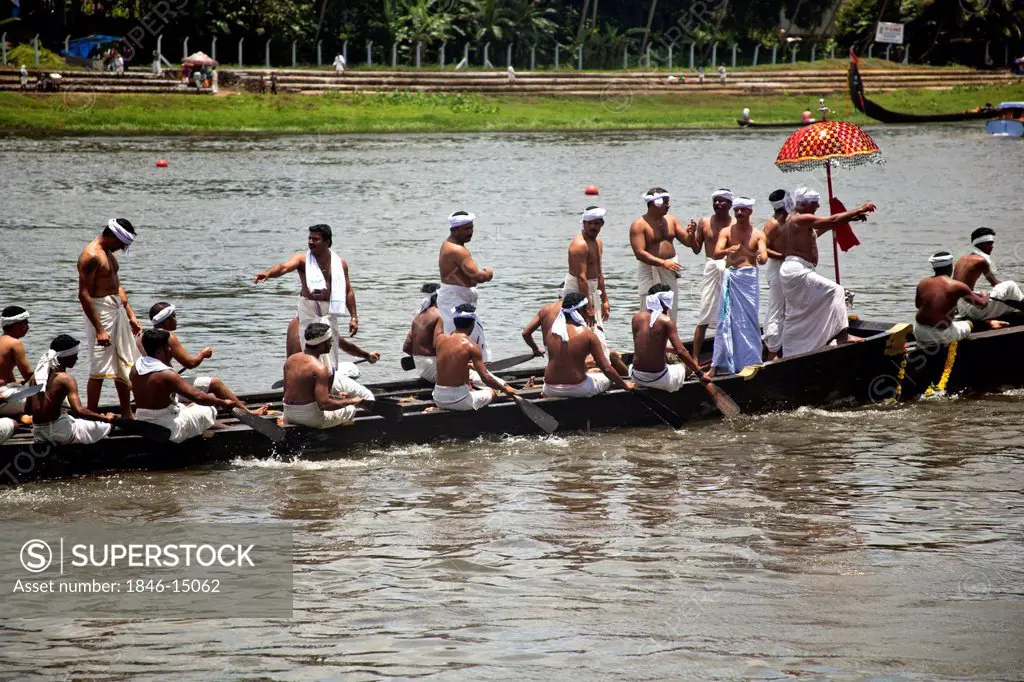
[(460, 275), (775, 239), (542, 320), (970, 268), (936, 299), (426, 327), (308, 385), (653, 330), (743, 247), (156, 387), (326, 292), (455, 353), (110, 322), (51, 424), (815, 307), (708, 230), (569, 343), (651, 237), (14, 320), (586, 276)]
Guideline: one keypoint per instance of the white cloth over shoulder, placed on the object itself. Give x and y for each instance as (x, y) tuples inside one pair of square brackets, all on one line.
[(66, 430), (594, 384), (711, 292), (114, 361), (738, 337), (993, 309), (931, 337), (451, 295), (184, 421), (593, 294), (315, 281), (815, 307), (669, 379), (775, 319), (648, 275), (461, 399), (312, 416)]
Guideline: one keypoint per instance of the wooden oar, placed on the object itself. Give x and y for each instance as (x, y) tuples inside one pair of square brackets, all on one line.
[(280, 382), (148, 430), (545, 421), (389, 409), (22, 394), (409, 364), (726, 405), (1019, 305), (659, 409), (264, 427)]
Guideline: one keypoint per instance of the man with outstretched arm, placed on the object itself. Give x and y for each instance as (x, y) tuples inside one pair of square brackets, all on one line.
[(568, 343), (650, 237), (970, 268), (110, 322), (708, 230), (775, 239), (51, 423), (14, 321), (815, 307), (653, 330), (459, 276), (936, 299), (456, 352), (308, 385), (426, 327)]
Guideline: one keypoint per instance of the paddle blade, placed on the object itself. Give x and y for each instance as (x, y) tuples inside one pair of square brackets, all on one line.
[(844, 233), (545, 421), (389, 409), (505, 363), (723, 402), (659, 409), (277, 384), (22, 394), (408, 364), (262, 426), (149, 431), (1019, 305)]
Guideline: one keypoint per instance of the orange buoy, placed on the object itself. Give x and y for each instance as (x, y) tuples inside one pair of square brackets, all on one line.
[(161, 163), (590, 190)]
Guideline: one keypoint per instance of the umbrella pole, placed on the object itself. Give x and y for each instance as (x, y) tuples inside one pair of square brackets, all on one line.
[(835, 240)]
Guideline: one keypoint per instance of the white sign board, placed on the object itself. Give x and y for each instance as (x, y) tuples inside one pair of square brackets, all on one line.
[(889, 33)]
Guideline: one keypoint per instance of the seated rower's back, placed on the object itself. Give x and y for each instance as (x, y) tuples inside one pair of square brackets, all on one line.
[(568, 344), (455, 353), (427, 325), (50, 423), (308, 383), (653, 328)]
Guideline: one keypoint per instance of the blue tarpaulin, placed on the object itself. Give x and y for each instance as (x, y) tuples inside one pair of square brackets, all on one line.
[(83, 48)]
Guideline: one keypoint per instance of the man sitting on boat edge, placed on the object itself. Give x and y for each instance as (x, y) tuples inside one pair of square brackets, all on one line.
[(455, 353), (569, 343), (14, 320), (51, 424), (970, 268), (936, 299), (156, 387), (308, 384), (653, 329), (427, 325)]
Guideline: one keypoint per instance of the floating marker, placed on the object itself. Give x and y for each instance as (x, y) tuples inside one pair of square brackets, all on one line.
[(162, 163), (590, 190)]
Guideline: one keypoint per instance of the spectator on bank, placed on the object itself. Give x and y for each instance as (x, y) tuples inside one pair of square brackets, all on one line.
[(339, 64), (119, 64), (273, 84), (511, 75), (721, 74), (700, 75), (24, 77)]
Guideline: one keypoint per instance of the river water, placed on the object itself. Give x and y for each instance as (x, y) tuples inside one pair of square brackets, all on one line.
[(821, 544)]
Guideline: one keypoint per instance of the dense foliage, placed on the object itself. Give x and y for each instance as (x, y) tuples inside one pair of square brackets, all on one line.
[(940, 30)]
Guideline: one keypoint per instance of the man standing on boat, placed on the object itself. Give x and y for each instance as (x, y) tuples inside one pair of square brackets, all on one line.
[(586, 275), (14, 320), (775, 239), (326, 292), (653, 329), (815, 306), (569, 343), (308, 385), (110, 322), (455, 353), (426, 327), (651, 237), (970, 268), (738, 337), (937, 298), (708, 230), (50, 423), (459, 277)]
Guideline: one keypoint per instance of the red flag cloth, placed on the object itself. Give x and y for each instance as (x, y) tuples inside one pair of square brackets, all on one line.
[(844, 233)]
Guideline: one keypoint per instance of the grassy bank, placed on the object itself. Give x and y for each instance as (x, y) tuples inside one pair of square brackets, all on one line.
[(416, 112)]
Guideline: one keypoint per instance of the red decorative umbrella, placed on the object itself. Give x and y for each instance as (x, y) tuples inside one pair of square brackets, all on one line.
[(827, 144)]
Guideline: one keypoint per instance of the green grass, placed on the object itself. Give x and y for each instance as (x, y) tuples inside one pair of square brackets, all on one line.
[(422, 112)]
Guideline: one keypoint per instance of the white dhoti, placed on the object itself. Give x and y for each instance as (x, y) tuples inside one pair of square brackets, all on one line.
[(311, 415), (11, 408), (350, 387), (310, 312), (426, 367), (451, 295), (594, 384), (773, 322), (931, 337), (114, 361), (67, 430), (7, 427), (461, 399), (648, 275), (184, 421), (593, 293), (815, 307), (738, 338), (669, 379), (711, 292), (993, 309)]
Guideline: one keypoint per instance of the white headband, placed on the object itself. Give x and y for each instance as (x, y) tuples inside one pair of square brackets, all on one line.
[(162, 316), (941, 261), (658, 303), (20, 317), (48, 363), (806, 195), (743, 202), (124, 235), (984, 239), (658, 198), (722, 194), (326, 336), (460, 220), (785, 202), (560, 326), (592, 214), (425, 303)]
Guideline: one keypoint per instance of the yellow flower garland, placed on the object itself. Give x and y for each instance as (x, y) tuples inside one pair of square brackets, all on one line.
[(944, 379), (899, 380)]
